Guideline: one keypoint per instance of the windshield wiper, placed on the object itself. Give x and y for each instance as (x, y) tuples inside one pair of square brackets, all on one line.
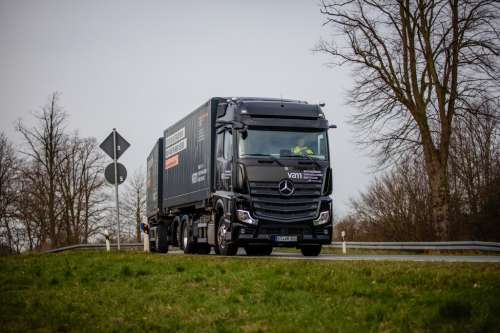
[(315, 161), (266, 155)]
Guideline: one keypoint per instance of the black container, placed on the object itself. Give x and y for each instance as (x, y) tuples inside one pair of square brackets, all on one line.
[(188, 154)]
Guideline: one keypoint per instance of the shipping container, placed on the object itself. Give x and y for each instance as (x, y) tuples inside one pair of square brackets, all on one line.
[(188, 167)]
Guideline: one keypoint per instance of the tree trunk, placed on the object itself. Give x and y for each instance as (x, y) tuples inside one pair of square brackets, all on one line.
[(440, 195), (9, 235)]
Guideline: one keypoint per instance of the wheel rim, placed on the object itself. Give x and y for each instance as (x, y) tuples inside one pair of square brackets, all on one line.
[(221, 235), (184, 237)]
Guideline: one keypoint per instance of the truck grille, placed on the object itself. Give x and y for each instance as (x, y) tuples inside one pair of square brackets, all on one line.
[(268, 202)]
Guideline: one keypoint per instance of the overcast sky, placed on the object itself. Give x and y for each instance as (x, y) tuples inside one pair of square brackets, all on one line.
[(140, 66)]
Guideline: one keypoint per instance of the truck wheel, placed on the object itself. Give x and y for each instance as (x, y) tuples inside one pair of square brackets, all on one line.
[(178, 232), (162, 240), (225, 248), (311, 250), (186, 242)]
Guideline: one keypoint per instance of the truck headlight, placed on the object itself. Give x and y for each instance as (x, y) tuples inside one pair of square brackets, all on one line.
[(244, 216), (324, 217)]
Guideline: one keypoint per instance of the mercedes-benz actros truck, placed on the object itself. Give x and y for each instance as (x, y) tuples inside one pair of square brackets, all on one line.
[(242, 172)]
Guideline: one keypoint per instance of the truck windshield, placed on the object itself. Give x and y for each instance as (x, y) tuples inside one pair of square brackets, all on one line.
[(283, 143)]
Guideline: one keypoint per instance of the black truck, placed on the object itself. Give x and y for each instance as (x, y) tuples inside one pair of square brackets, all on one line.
[(242, 172)]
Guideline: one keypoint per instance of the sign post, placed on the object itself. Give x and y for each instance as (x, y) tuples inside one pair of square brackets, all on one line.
[(114, 145), (116, 186)]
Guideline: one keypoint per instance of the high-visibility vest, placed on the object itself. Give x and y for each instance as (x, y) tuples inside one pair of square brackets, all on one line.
[(301, 150)]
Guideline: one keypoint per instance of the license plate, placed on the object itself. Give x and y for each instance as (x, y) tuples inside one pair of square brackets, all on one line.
[(285, 238)]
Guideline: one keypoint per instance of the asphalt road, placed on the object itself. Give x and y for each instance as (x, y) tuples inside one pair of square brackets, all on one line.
[(373, 257)]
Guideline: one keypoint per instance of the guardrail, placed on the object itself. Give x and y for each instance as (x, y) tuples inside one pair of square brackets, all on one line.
[(422, 246), (410, 246), (94, 246)]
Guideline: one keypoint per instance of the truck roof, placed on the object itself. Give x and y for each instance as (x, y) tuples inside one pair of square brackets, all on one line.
[(264, 99)]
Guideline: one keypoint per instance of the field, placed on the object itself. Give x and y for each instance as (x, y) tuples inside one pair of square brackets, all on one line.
[(132, 291)]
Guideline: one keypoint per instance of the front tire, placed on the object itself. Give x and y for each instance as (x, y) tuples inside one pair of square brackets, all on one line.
[(224, 247), (310, 250)]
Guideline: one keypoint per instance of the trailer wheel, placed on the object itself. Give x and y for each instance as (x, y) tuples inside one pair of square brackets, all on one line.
[(187, 243), (225, 248), (310, 250), (162, 238), (178, 232)]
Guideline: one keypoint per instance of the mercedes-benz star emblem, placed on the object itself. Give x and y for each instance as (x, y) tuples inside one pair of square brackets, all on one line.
[(286, 187)]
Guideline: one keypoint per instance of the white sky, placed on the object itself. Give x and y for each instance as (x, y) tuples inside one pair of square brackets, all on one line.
[(140, 66)]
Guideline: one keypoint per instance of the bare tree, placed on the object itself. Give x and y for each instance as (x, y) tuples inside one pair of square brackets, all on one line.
[(419, 65), (135, 201), (80, 182), (475, 174), (396, 206), (44, 144), (8, 191)]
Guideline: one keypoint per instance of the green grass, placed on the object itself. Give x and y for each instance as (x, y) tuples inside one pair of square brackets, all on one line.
[(97, 291)]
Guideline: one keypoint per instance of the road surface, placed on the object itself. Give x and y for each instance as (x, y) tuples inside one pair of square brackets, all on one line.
[(373, 257)]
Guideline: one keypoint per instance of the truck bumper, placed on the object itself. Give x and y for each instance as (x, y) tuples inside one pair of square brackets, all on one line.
[(270, 235)]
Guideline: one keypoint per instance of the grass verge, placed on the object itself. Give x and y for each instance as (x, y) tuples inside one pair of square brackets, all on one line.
[(97, 291)]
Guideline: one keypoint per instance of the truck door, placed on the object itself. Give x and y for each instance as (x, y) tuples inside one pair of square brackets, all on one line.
[(224, 161)]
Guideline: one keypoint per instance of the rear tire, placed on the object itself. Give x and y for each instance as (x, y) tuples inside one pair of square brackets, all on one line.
[(225, 248), (310, 250), (178, 231), (162, 240)]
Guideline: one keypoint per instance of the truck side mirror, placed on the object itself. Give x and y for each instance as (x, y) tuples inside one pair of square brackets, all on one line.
[(332, 126)]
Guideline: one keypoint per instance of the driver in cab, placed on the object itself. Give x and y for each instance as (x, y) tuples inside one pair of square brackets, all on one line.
[(302, 149)]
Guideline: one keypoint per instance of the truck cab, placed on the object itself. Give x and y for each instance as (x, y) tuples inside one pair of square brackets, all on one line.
[(273, 175)]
